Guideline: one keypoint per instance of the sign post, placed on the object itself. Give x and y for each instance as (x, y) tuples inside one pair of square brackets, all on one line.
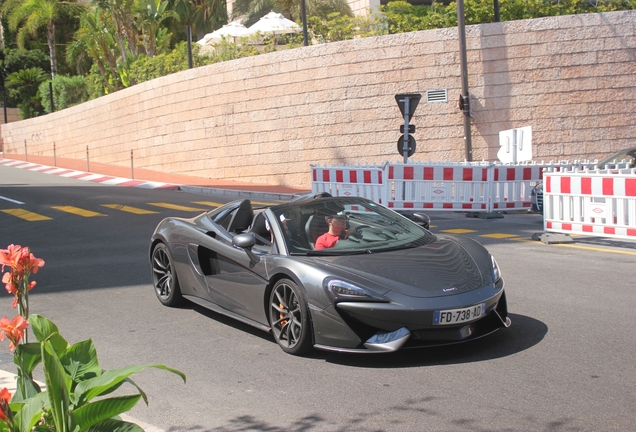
[(407, 102)]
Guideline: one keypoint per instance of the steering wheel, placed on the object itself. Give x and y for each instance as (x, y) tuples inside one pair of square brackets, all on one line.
[(357, 231)]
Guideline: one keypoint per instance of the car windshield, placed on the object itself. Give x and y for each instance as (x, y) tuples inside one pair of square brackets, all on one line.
[(339, 226)]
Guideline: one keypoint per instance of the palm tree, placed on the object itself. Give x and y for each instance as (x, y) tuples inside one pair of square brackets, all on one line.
[(23, 86), (29, 16), (154, 12)]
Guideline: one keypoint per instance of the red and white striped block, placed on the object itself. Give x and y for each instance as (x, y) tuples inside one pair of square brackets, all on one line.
[(504, 173), (596, 185), (437, 205), (347, 175), (601, 230), (85, 176), (460, 173)]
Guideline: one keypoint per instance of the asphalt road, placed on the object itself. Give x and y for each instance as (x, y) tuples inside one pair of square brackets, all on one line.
[(566, 364)]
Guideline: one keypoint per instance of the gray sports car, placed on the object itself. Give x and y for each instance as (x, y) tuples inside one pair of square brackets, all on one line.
[(340, 274)]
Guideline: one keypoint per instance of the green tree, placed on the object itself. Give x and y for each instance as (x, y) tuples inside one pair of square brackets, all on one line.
[(151, 14), (29, 16), (23, 86), (67, 91)]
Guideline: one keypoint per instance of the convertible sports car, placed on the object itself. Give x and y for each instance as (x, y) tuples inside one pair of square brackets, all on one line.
[(387, 283)]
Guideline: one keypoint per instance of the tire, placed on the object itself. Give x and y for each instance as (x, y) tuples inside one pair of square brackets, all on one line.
[(289, 318), (164, 277)]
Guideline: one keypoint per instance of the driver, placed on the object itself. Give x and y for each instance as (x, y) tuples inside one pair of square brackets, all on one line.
[(337, 224)]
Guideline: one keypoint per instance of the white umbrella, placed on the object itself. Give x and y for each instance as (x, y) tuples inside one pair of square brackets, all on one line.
[(274, 23), (231, 30)]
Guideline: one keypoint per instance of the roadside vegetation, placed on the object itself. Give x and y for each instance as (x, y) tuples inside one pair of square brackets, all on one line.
[(81, 50)]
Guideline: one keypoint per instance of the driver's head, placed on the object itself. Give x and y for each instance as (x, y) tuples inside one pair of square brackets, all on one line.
[(336, 223)]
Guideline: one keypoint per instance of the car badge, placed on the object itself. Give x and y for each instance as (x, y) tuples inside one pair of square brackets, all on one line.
[(450, 289)]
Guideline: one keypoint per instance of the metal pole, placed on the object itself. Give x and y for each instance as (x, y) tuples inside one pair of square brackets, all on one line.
[(26, 154), (88, 168), (496, 10), (303, 13), (132, 169), (407, 142), (54, 156), (51, 96), (464, 69), (189, 32), (4, 104)]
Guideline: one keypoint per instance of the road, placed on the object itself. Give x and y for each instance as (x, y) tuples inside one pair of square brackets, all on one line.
[(567, 362)]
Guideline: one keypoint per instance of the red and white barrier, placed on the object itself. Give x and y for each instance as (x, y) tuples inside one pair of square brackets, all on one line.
[(458, 186), (591, 202), (365, 181), (438, 186)]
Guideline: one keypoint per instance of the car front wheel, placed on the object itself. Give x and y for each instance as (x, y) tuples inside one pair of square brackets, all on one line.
[(164, 276), (289, 318)]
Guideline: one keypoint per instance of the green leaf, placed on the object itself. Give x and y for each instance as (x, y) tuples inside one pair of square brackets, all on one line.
[(45, 329), (95, 412), (27, 356), (25, 388), (58, 386), (112, 425), (87, 390), (31, 412), (80, 361)]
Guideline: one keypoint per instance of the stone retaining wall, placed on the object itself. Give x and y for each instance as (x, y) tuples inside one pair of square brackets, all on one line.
[(265, 119)]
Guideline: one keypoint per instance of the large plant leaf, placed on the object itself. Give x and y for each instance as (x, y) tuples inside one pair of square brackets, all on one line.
[(45, 329), (103, 384), (112, 425), (80, 361), (58, 385), (30, 412), (27, 357), (25, 388), (95, 412)]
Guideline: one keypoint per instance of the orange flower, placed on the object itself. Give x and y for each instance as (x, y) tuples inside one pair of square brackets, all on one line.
[(5, 398), (13, 330), (10, 255)]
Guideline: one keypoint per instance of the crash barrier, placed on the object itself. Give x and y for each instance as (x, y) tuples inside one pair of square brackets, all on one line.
[(462, 186), (591, 202)]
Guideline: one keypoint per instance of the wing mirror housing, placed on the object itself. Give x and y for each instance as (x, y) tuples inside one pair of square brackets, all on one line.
[(422, 219), (246, 242)]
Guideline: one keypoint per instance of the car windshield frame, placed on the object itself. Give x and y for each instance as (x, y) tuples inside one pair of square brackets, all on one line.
[(369, 227)]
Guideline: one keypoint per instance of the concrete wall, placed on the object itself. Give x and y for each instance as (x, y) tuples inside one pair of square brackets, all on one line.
[(265, 119)]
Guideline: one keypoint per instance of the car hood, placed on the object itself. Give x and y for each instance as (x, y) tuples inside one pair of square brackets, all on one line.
[(441, 268)]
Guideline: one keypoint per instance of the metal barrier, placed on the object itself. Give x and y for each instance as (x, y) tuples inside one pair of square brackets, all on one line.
[(459, 186), (591, 202)]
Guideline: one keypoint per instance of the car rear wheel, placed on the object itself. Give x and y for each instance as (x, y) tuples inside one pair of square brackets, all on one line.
[(289, 318), (164, 276)]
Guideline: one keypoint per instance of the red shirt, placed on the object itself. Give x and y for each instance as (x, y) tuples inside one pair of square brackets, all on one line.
[(326, 241)]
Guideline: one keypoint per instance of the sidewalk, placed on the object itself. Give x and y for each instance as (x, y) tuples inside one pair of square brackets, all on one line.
[(185, 183)]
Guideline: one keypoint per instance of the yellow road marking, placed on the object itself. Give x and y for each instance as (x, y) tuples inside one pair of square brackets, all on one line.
[(459, 231), (208, 203), (128, 209), (78, 211), (498, 235), (267, 203), (176, 207), (26, 215), (623, 252)]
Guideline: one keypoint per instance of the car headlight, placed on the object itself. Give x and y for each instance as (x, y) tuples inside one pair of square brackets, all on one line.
[(496, 273), (345, 291)]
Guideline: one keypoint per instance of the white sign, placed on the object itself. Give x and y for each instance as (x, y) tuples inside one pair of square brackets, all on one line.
[(515, 145)]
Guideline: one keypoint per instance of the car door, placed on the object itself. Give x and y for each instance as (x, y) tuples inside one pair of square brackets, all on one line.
[(233, 281)]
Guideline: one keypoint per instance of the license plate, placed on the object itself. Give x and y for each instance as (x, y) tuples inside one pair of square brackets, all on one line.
[(455, 316)]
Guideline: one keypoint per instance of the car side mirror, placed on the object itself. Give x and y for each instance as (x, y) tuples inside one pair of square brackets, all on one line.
[(422, 220), (246, 242)]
